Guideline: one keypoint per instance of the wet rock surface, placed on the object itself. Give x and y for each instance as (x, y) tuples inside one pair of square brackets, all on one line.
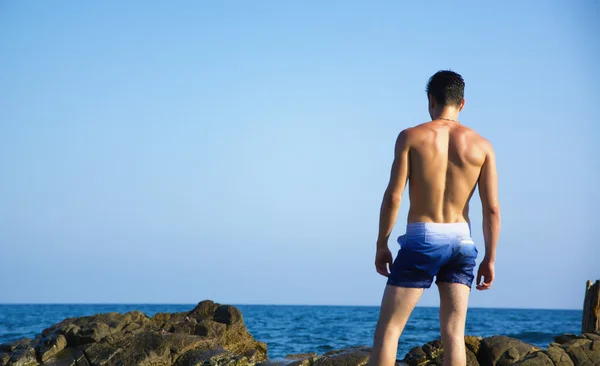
[(209, 334)]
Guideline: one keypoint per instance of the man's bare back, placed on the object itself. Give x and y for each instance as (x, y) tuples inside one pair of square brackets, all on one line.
[(445, 160)]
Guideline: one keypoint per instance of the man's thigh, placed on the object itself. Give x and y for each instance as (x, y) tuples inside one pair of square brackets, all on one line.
[(397, 304), (454, 300)]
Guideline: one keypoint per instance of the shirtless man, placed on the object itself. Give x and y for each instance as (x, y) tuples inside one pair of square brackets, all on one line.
[(443, 161)]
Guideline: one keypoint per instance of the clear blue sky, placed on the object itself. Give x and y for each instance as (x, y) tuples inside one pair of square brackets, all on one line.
[(172, 152)]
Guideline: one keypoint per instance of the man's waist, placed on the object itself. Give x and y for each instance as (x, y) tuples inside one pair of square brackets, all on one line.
[(435, 228)]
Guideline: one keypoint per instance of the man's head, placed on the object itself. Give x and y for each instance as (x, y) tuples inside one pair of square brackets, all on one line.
[(445, 89)]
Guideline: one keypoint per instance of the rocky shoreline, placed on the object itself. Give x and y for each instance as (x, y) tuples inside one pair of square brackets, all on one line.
[(215, 334)]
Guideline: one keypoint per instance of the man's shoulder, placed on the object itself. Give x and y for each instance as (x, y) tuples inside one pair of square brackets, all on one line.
[(412, 135), (477, 139), (420, 126), (483, 142), (415, 130), (419, 131)]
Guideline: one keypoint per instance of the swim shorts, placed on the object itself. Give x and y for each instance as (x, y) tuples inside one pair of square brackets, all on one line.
[(445, 251)]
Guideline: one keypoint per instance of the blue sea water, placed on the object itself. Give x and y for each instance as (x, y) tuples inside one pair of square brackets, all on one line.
[(301, 329)]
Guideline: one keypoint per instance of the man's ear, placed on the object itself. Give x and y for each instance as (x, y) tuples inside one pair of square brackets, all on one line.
[(462, 105), (431, 102)]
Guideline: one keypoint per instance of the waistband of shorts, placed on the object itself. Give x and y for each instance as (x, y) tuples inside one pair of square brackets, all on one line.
[(420, 228)]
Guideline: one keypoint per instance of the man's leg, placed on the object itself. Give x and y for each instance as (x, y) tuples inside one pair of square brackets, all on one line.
[(396, 306), (454, 299)]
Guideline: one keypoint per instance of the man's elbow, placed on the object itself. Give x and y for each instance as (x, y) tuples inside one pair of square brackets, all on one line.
[(491, 210), (392, 198)]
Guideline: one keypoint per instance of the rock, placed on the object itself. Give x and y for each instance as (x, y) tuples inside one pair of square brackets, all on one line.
[(272, 363), (210, 328), (309, 361), (503, 351), (492, 351), (564, 338), (591, 307), (187, 326), (432, 353), (93, 329), (583, 351), (472, 359), (538, 358), (10, 347), (214, 357), (148, 348), (351, 356), (210, 334), (299, 356), (559, 356), (199, 356), (298, 359), (23, 356), (592, 336), (4, 357), (204, 310), (50, 346), (473, 344), (68, 357), (227, 314)]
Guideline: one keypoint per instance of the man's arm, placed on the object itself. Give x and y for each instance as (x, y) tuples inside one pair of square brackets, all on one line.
[(391, 203), (488, 192)]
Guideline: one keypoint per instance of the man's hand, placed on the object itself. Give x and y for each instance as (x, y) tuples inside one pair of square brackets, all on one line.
[(383, 258), (486, 270)]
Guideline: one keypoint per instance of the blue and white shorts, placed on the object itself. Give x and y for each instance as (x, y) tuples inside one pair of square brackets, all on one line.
[(445, 251)]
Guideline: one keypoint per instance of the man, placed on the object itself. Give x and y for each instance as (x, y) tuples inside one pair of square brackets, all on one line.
[(443, 161)]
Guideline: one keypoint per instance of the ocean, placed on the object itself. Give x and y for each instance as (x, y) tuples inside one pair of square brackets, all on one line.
[(300, 329)]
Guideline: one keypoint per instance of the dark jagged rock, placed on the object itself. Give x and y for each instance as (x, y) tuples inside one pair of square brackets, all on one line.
[(558, 355), (351, 356), (299, 356), (48, 347), (347, 356), (227, 314), (503, 351), (432, 353), (68, 357), (204, 309), (473, 344), (564, 338), (10, 347), (538, 358), (583, 350), (23, 356), (4, 357), (210, 334), (592, 336)]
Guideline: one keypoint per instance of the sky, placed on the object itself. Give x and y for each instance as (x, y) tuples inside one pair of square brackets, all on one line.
[(171, 152)]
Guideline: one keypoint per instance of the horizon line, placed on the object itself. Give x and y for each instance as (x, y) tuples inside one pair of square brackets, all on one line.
[(262, 304)]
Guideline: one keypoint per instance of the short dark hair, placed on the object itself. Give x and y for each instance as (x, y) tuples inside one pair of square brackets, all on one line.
[(446, 87)]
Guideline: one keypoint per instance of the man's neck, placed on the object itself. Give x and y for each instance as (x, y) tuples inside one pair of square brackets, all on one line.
[(446, 113)]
